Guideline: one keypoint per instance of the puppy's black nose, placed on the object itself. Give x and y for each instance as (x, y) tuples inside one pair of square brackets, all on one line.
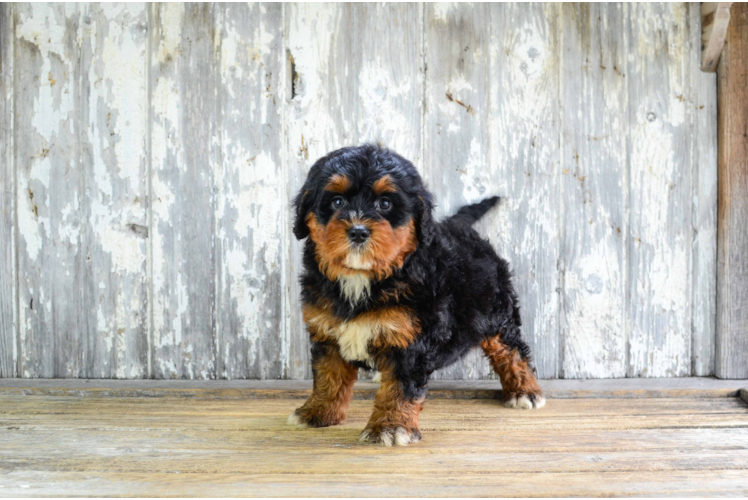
[(358, 233)]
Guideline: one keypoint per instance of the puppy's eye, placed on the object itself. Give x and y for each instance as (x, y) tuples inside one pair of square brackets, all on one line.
[(385, 204), (337, 202)]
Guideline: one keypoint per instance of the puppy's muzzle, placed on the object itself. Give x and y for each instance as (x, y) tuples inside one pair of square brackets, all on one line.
[(358, 234)]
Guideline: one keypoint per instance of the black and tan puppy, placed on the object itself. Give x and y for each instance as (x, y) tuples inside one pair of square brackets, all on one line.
[(386, 287)]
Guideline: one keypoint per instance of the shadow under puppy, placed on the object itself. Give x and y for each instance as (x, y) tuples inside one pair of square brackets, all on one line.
[(386, 287)]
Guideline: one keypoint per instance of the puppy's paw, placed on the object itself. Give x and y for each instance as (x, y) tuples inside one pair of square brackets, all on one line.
[(304, 417), (388, 436), (296, 420), (524, 401)]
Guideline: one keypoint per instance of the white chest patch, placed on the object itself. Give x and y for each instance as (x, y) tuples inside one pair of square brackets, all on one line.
[(353, 339), (354, 287)]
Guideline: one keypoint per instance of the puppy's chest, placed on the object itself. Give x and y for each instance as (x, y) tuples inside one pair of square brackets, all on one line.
[(355, 338), (355, 335), (360, 337)]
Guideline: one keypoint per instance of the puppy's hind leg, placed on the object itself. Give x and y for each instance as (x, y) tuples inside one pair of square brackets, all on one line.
[(519, 386)]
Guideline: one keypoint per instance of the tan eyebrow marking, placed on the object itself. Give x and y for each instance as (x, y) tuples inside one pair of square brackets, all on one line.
[(338, 183), (385, 185)]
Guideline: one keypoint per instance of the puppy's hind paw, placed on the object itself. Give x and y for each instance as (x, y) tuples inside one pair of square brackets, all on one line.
[(524, 401)]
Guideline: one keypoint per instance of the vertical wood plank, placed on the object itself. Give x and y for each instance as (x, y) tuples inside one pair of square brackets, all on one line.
[(525, 155), (732, 278), (496, 97), (8, 348), (354, 77), (704, 152), (457, 167), (251, 193), (49, 190), (113, 219), (184, 147), (593, 183), (660, 232)]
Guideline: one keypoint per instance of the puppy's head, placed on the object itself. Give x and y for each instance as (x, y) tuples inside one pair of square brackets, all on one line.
[(366, 209)]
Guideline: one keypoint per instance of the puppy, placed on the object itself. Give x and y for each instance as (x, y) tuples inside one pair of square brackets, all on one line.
[(386, 287)]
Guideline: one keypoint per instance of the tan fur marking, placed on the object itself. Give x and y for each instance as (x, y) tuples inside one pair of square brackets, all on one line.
[(517, 378), (398, 327), (338, 183), (320, 321), (389, 247), (399, 291), (385, 252), (384, 185), (332, 392), (331, 246)]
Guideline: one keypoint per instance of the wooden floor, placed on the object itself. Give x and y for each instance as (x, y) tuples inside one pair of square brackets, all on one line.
[(206, 446)]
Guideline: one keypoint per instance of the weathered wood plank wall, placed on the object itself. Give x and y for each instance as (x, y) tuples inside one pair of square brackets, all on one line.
[(150, 153)]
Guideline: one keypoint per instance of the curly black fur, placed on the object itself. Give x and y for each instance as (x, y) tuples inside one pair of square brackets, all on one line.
[(459, 289)]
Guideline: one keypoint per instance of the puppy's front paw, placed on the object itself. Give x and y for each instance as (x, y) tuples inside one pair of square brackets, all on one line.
[(524, 401), (295, 419), (388, 436), (306, 417)]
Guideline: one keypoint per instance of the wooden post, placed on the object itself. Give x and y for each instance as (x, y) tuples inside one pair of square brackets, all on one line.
[(732, 231)]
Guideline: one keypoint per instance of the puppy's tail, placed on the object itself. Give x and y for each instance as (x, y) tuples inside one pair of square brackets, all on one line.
[(469, 214)]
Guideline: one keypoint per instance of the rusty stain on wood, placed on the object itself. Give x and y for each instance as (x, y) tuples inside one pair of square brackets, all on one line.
[(467, 107)]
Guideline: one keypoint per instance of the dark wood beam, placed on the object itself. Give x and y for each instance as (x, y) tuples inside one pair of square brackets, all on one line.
[(732, 232)]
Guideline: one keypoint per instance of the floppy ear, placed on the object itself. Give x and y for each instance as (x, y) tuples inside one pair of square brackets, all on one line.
[(425, 220), (303, 203)]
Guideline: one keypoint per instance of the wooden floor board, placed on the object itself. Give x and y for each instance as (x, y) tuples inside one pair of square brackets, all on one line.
[(683, 483), (125, 446)]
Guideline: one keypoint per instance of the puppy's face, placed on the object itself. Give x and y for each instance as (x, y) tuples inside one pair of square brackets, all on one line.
[(361, 208)]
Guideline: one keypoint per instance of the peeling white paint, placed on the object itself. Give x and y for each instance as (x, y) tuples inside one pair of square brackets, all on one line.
[(474, 175), (443, 11), (256, 203), (28, 227), (171, 26)]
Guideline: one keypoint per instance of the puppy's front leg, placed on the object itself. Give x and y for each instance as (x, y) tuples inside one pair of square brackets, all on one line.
[(395, 416), (333, 389)]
